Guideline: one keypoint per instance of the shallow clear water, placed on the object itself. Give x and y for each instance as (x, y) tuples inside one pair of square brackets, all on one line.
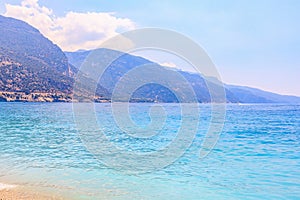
[(256, 157)]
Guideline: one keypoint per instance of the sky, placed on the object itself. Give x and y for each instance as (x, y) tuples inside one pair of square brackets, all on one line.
[(252, 43)]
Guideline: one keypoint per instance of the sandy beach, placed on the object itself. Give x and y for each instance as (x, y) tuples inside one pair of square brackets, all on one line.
[(11, 192)]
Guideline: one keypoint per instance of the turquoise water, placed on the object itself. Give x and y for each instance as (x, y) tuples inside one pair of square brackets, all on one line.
[(256, 157)]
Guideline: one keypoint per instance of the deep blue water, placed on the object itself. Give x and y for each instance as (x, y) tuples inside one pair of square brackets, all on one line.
[(257, 155)]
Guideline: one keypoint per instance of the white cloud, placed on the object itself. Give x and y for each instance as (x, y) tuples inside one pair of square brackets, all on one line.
[(74, 30), (169, 64)]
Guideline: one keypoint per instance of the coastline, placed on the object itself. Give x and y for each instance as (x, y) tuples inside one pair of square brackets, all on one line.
[(45, 97)]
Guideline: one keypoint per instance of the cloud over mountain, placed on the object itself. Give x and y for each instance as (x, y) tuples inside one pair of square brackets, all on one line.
[(74, 30)]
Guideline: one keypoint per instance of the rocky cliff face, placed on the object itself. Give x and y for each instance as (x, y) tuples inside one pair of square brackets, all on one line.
[(31, 63)]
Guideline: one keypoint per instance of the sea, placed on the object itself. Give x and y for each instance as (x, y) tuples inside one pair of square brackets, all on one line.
[(256, 155)]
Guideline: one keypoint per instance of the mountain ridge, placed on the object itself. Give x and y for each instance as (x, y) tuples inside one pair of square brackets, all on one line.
[(32, 68), (234, 94), (30, 62)]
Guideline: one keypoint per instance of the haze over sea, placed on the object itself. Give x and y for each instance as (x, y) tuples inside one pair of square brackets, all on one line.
[(256, 157)]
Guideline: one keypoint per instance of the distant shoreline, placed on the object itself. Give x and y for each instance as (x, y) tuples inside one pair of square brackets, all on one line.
[(60, 97), (44, 97), (56, 97)]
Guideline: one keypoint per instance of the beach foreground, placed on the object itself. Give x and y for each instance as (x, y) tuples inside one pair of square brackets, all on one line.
[(21, 193)]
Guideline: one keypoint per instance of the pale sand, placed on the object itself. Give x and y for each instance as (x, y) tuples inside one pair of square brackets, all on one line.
[(5, 186), (8, 192)]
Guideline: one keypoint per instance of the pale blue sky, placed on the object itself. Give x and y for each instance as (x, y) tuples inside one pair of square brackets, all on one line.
[(254, 43)]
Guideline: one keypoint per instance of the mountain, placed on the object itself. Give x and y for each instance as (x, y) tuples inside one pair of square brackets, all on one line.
[(30, 62), (253, 95), (32, 68), (151, 92)]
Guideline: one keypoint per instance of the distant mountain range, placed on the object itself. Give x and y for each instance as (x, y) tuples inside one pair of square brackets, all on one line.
[(32, 68), (234, 94)]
